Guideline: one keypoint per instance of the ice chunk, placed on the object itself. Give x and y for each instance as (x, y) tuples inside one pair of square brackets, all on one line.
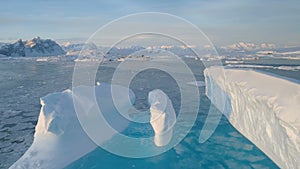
[(163, 117), (59, 138), (263, 107), (289, 67), (197, 83)]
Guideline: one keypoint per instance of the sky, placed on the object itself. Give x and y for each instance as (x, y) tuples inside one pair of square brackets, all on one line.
[(223, 21)]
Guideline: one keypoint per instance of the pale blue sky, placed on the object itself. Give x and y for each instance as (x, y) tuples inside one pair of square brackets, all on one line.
[(224, 21)]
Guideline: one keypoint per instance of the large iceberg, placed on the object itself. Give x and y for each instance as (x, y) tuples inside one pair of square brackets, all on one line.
[(59, 138), (265, 108)]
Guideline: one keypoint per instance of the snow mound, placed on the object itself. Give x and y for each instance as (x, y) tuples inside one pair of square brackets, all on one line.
[(163, 117), (263, 108), (59, 138)]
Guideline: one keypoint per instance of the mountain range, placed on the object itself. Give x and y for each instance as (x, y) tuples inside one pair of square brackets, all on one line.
[(38, 47), (32, 48)]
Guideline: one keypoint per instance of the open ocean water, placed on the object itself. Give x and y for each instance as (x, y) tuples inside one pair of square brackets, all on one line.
[(23, 82)]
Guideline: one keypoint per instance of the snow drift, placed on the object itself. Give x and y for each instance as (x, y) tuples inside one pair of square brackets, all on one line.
[(263, 107)]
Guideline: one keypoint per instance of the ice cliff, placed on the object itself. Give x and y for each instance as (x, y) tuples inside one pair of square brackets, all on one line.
[(264, 108)]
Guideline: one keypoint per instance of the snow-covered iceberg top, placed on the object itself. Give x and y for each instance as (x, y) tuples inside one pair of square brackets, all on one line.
[(59, 138), (263, 107)]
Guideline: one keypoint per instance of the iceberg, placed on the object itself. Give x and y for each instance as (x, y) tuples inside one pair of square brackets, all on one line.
[(263, 107), (67, 119), (197, 83), (59, 138), (163, 117)]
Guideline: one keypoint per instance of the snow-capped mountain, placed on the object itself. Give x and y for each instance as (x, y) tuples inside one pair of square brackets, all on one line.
[(246, 49), (73, 47), (76, 49), (40, 47), (15, 49), (116, 52), (245, 46), (32, 48), (90, 49)]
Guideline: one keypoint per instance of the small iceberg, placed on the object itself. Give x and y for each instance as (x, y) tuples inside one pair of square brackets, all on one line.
[(59, 138), (60, 134), (163, 117), (197, 83)]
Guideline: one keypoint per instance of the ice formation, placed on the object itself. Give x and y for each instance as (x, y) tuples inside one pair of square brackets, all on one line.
[(59, 138), (197, 83), (163, 117), (263, 107), (293, 68)]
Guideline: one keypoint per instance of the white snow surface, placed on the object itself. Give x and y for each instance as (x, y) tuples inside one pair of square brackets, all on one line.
[(59, 138), (263, 107)]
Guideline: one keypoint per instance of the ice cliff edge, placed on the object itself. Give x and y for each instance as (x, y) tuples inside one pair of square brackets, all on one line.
[(264, 108)]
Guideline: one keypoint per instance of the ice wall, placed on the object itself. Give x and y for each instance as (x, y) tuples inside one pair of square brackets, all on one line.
[(263, 107), (59, 138)]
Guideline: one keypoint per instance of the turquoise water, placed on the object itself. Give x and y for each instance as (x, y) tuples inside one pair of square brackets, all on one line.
[(227, 148)]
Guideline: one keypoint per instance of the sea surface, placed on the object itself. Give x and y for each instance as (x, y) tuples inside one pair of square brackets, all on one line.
[(23, 82)]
